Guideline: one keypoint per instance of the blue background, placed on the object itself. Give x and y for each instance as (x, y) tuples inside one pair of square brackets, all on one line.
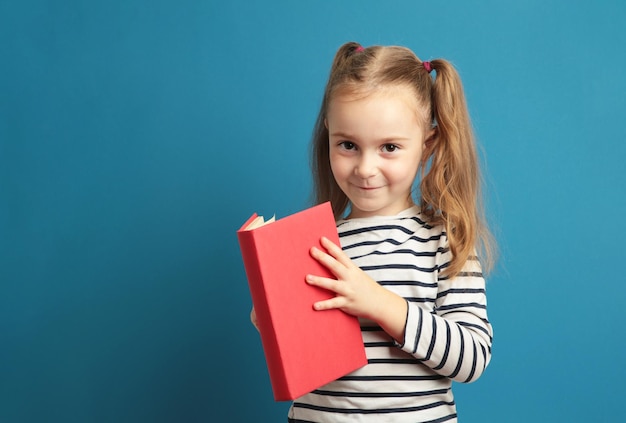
[(136, 136)]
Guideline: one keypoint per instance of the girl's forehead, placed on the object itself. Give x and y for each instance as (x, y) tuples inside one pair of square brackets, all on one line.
[(359, 91), (405, 93)]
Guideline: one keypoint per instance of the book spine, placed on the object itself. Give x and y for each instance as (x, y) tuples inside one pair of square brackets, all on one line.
[(250, 256)]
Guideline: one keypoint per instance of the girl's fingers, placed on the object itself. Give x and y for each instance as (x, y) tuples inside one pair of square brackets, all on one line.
[(253, 319), (327, 304), (330, 304), (326, 283), (335, 251), (331, 285), (327, 260), (334, 259)]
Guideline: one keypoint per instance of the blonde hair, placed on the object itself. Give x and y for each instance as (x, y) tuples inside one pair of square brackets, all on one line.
[(450, 182)]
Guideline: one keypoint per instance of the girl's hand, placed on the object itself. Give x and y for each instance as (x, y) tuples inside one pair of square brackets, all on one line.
[(357, 293), (253, 319)]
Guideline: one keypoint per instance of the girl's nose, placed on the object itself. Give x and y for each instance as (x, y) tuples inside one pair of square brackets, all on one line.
[(366, 166)]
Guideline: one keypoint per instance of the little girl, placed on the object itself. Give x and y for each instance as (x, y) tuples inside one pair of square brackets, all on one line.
[(407, 265)]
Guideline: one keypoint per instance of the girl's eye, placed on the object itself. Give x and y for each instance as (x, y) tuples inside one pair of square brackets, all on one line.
[(390, 148), (347, 145)]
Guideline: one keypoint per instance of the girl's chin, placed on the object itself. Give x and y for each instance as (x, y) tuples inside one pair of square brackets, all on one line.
[(361, 208)]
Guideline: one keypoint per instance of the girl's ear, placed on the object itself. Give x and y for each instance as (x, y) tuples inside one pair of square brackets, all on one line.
[(431, 140)]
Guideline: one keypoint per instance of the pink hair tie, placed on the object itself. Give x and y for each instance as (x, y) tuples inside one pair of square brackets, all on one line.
[(359, 49), (427, 66)]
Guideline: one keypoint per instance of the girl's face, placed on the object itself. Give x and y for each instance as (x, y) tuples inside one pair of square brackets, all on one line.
[(376, 145)]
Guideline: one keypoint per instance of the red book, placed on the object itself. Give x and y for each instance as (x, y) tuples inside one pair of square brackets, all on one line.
[(304, 348)]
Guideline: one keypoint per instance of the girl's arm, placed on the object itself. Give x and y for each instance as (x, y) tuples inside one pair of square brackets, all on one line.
[(454, 340)]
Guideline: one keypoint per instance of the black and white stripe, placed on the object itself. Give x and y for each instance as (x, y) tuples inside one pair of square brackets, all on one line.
[(448, 335)]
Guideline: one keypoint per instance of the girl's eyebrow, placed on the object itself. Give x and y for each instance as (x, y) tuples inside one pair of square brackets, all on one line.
[(391, 139), (341, 135)]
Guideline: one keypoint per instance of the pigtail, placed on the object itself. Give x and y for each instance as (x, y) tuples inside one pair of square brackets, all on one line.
[(450, 188)]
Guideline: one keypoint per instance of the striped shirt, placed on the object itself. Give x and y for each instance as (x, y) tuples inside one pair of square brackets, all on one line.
[(447, 333)]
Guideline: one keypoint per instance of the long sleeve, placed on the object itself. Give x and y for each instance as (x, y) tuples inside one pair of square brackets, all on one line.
[(455, 338)]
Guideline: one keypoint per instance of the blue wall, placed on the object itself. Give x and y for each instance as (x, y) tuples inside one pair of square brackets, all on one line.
[(136, 136)]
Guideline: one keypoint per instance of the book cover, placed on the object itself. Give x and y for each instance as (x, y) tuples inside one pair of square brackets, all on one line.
[(304, 349)]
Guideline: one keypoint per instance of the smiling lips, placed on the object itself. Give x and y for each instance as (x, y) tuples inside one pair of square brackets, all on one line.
[(366, 188)]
